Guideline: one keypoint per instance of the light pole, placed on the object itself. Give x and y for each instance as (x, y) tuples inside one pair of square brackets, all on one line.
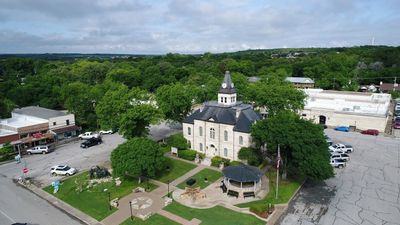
[(168, 189), (130, 207), (109, 200)]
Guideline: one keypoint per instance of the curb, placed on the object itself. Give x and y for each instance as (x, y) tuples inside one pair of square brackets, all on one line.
[(61, 208)]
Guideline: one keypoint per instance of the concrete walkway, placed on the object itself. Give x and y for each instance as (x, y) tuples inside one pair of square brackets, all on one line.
[(179, 219)]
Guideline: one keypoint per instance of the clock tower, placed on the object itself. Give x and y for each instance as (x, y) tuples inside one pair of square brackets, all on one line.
[(227, 91)]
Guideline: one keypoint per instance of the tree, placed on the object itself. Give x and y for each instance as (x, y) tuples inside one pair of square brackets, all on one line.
[(303, 146), (137, 157), (175, 101), (252, 155), (276, 95), (135, 122), (6, 106)]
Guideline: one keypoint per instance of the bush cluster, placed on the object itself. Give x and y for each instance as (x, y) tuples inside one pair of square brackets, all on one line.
[(216, 161)]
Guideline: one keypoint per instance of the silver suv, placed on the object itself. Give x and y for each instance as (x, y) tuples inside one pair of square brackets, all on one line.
[(41, 149)]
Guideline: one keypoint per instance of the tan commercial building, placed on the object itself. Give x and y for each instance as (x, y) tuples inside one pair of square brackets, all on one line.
[(341, 108)]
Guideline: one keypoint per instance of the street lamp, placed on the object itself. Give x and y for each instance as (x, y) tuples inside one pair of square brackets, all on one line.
[(168, 188), (109, 200), (130, 206)]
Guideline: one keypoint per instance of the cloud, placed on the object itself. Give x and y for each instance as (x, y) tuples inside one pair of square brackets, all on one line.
[(192, 26)]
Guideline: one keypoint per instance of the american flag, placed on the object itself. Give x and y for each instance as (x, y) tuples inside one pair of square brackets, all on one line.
[(278, 158)]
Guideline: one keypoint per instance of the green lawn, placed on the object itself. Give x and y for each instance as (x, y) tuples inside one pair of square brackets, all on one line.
[(155, 219), (93, 201), (210, 174), (286, 191), (176, 169), (216, 215)]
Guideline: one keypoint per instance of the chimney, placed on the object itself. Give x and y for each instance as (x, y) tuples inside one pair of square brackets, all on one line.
[(237, 113)]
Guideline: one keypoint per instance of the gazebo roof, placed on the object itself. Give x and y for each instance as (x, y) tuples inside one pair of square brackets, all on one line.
[(242, 173)]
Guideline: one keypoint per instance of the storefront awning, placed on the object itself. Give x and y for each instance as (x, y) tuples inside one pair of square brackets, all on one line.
[(66, 129)]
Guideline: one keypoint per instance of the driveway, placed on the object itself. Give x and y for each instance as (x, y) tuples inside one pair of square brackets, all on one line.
[(367, 191)]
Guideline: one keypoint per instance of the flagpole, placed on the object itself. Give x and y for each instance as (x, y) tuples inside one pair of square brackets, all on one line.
[(277, 173)]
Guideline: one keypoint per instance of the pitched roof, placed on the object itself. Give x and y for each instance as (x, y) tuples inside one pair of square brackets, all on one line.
[(39, 112), (229, 88), (242, 173), (389, 87), (303, 80), (226, 115)]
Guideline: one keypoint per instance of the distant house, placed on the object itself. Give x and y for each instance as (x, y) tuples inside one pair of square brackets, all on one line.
[(387, 87), (221, 128), (301, 82)]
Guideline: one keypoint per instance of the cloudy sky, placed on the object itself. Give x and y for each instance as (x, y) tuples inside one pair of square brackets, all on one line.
[(191, 26)]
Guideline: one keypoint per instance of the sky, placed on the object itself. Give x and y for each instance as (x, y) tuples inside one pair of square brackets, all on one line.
[(193, 26)]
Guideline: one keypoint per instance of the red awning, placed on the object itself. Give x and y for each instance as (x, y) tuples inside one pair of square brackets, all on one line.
[(66, 129)]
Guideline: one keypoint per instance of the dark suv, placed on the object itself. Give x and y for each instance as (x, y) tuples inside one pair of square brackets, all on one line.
[(90, 142)]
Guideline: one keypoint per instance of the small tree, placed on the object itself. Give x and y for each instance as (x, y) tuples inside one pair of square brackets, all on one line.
[(137, 157), (178, 141)]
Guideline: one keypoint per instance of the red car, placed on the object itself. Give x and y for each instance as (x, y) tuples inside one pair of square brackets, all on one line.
[(370, 132), (396, 125)]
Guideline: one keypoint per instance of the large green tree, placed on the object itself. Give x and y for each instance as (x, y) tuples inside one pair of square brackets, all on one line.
[(137, 157), (303, 146), (276, 95), (175, 101), (136, 121)]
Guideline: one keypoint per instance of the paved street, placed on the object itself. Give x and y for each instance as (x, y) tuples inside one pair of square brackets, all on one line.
[(367, 191)]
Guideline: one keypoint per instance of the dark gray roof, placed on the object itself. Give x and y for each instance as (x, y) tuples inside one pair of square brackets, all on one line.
[(242, 173), (226, 115), (39, 112), (229, 89)]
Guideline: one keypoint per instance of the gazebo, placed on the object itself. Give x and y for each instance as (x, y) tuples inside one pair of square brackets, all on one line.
[(241, 181)]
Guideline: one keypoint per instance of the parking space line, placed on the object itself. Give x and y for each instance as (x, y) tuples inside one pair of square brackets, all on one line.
[(9, 218)]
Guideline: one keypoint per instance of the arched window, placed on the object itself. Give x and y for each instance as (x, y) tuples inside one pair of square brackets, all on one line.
[(225, 135), (225, 152), (201, 131), (201, 147), (240, 140), (212, 133), (189, 131)]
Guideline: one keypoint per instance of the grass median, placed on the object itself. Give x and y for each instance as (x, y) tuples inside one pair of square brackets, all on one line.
[(203, 178), (94, 200)]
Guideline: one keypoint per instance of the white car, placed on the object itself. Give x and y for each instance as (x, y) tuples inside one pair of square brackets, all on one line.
[(341, 147), (338, 163), (62, 170), (41, 149), (105, 132), (343, 156), (88, 135)]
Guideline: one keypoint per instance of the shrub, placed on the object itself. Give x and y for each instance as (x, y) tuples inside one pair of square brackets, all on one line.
[(253, 156), (235, 163), (216, 161), (187, 154), (177, 141)]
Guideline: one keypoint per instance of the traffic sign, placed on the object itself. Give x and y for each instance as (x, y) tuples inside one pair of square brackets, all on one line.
[(25, 170)]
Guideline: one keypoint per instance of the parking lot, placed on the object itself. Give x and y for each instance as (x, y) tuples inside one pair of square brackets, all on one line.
[(70, 153), (366, 191)]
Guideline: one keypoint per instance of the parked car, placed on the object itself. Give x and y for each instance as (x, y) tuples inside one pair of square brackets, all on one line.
[(88, 135), (341, 147), (397, 113), (396, 125), (41, 149), (90, 142), (342, 128), (106, 132), (62, 170), (370, 132), (343, 156), (332, 152), (338, 163)]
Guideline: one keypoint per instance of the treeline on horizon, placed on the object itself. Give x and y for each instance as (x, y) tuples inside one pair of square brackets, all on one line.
[(66, 81)]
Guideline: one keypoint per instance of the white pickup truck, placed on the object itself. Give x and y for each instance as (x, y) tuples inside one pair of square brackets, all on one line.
[(338, 163), (341, 148), (88, 135)]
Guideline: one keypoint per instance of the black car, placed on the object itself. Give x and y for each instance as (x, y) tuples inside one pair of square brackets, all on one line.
[(90, 142)]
